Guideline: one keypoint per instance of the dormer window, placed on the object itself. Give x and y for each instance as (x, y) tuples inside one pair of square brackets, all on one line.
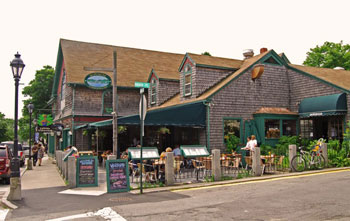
[(187, 80), (153, 91)]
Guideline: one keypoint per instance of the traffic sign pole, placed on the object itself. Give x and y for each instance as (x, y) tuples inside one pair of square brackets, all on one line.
[(141, 137)]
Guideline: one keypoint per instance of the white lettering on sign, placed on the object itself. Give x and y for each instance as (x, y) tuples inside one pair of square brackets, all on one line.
[(316, 114)]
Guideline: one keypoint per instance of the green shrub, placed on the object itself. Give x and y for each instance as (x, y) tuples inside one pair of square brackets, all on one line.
[(284, 142), (266, 149), (231, 143)]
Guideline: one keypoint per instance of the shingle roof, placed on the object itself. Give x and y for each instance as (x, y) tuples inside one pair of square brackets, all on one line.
[(340, 78), (132, 64), (215, 61), (245, 65)]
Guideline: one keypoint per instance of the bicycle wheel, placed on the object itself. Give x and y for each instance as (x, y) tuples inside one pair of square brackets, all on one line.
[(298, 163), (319, 161)]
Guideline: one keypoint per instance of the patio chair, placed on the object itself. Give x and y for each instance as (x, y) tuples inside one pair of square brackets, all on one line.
[(248, 162)]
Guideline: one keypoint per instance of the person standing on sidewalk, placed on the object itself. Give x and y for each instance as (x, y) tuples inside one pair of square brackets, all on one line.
[(35, 153), (41, 152)]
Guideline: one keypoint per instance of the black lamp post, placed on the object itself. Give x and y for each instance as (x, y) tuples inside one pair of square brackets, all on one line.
[(30, 110), (17, 67)]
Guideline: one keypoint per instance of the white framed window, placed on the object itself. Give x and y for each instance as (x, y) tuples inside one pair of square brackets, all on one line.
[(187, 80), (153, 91), (63, 90)]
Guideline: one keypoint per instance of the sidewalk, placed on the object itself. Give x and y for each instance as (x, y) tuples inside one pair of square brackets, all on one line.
[(43, 176)]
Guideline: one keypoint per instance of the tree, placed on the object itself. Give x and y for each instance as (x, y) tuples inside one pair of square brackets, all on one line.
[(329, 55), (206, 53), (6, 128), (39, 91)]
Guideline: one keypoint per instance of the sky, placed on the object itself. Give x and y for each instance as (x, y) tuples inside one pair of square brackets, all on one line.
[(223, 28)]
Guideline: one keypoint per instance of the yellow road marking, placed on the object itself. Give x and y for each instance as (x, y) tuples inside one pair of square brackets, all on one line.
[(260, 181)]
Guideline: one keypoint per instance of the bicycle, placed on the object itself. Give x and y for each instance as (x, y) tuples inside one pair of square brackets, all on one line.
[(313, 160)]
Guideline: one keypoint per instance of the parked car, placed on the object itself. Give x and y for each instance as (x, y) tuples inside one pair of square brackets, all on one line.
[(5, 159), (26, 150), (20, 151)]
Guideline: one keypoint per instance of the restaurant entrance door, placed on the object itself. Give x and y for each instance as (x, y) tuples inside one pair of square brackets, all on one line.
[(321, 127)]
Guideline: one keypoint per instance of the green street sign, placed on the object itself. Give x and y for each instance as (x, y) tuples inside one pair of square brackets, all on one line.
[(141, 84)]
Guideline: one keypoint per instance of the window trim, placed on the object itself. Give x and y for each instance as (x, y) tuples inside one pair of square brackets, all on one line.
[(103, 101), (185, 74), (63, 84), (153, 91)]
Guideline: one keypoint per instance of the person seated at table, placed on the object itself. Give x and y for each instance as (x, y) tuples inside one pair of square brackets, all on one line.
[(125, 154), (177, 151), (163, 154)]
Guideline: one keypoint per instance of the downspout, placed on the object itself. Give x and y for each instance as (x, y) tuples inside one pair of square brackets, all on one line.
[(73, 115), (207, 104)]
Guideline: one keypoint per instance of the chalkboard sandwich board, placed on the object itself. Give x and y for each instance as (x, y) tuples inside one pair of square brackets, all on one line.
[(87, 173), (117, 176)]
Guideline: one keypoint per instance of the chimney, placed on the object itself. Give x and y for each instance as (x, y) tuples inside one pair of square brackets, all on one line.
[(262, 50), (248, 53)]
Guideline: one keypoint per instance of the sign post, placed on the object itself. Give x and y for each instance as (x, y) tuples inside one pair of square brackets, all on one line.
[(143, 110)]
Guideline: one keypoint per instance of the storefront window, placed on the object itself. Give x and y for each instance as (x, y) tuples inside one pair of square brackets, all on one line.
[(272, 129), (289, 127), (306, 128), (232, 127), (335, 129)]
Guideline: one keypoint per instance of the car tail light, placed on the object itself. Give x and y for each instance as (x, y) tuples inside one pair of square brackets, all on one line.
[(21, 154)]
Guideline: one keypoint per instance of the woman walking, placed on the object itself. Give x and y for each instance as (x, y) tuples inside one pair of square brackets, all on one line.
[(41, 152)]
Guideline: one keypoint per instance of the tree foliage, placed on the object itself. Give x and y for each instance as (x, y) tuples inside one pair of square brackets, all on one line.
[(329, 55), (206, 53), (39, 93), (6, 128)]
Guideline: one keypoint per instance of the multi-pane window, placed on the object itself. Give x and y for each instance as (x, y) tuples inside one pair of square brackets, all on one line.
[(108, 102), (153, 91), (63, 85), (306, 128), (335, 128), (232, 127), (188, 80), (272, 129), (289, 127)]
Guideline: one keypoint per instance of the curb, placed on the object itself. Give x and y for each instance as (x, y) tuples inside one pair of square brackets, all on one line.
[(246, 180), (4, 200)]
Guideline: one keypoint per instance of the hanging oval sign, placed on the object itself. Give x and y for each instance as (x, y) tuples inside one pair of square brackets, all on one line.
[(97, 81)]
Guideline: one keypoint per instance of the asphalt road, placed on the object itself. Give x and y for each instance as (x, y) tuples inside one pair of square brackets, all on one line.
[(318, 197)]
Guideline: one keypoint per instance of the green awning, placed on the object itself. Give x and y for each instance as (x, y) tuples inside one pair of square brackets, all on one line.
[(190, 115), (103, 123), (80, 126), (334, 104)]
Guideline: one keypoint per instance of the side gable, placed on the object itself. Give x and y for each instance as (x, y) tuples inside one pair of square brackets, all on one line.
[(186, 60), (152, 74)]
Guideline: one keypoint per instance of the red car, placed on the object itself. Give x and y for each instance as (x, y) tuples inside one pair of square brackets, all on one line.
[(5, 158)]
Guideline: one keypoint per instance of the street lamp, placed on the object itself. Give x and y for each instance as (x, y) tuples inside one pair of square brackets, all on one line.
[(17, 67), (29, 162)]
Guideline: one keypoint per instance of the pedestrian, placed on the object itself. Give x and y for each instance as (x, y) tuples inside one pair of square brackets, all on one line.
[(41, 152), (35, 153)]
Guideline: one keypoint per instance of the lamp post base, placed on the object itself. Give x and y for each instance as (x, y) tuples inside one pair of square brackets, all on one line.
[(29, 164), (15, 189)]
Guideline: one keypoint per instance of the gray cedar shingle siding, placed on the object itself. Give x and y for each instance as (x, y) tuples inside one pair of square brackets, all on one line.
[(277, 87), (166, 90)]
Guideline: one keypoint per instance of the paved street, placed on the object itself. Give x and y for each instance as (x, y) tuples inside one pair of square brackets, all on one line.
[(317, 197)]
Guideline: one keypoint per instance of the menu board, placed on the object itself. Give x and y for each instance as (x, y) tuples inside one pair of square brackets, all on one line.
[(117, 176), (194, 151), (87, 171), (147, 153)]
